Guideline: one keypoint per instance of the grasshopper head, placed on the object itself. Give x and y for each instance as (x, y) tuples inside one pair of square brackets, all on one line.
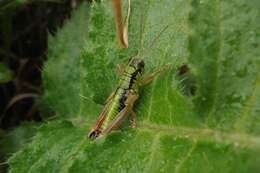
[(137, 63)]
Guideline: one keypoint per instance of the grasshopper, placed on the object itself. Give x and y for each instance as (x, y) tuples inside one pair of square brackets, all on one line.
[(121, 102)]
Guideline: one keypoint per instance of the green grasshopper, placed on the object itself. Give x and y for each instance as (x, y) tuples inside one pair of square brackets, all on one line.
[(120, 103)]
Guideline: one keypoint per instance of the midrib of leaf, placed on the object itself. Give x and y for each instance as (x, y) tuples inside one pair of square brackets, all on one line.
[(157, 132), (151, 101), (205, 134), (199, 55), (219, 43), (168, 100)]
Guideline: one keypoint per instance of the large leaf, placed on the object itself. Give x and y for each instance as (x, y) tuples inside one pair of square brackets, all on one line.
[(217, 130), (13, 140), (61, 72)]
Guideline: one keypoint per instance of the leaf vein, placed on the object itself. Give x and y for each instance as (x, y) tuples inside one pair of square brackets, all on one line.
[(153, 151), (220, 46), (185, 158), (240, 124), (151, 100), (205, 134)]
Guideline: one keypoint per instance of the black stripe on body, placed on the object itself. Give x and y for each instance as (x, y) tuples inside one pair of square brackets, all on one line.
[(122, 99), (133, 78)]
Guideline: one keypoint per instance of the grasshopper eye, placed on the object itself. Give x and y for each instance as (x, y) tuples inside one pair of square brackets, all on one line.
[(141, 64)]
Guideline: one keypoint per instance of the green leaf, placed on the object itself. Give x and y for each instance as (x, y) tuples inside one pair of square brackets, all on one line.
[(12, 141), (217, 130), (223, 48), (6, 74), (61, 75)]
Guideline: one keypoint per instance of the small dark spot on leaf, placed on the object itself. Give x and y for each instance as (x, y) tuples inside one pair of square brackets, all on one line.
[(188, 82)]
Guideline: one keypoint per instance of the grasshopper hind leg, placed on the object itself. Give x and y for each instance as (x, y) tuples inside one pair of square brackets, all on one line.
[(153, 75)]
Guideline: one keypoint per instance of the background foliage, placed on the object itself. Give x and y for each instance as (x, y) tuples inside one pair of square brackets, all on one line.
[(24, 28), (215, 130)]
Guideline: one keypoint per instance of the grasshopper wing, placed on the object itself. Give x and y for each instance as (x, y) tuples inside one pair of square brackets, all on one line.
[(115, 124), (122, 115), (95, 130)]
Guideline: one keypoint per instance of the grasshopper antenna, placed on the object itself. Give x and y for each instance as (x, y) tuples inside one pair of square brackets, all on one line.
[(153, 41)]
